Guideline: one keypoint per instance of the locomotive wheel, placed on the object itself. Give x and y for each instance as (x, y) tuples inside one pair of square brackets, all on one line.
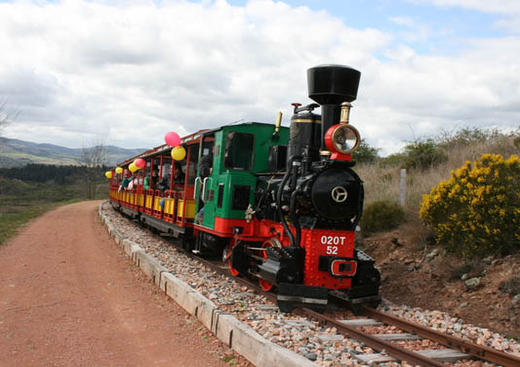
[(227, 256), (357, 309), (232, 270), (286, 306), (265, 285), (187, 243), (275, 243)]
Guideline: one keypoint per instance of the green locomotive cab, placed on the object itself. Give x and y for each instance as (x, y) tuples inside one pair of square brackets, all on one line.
[(236, 154)]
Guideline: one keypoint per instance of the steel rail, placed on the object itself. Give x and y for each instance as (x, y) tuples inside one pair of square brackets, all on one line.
[(377, 343), (479, 351)]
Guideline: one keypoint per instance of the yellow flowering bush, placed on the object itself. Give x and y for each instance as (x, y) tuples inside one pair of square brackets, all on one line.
[(477, 211)]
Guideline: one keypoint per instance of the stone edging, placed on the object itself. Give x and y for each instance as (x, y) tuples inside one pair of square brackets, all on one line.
[(238, 336)]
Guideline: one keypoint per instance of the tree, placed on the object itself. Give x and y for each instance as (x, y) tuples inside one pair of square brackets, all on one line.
[(365, 153), (423, 154), (93, 160)]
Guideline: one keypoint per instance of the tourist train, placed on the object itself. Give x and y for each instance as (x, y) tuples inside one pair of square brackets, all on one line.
[(277, 204)]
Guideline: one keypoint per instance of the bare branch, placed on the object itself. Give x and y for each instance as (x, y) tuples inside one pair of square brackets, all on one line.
[(94, 156), (5, 116), (93, 159)]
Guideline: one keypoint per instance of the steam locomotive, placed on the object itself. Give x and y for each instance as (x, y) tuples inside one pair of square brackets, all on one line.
[(277, 204)]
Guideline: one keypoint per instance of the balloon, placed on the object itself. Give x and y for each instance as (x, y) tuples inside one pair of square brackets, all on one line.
[(172, 139), (119, 170), (140, 163), (178, 153), (108, 174), (132, 168)]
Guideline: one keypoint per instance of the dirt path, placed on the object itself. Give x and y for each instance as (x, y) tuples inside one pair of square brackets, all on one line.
[(69, 297)]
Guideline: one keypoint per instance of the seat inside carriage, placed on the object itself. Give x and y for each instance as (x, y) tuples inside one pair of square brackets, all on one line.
[(160, 193)]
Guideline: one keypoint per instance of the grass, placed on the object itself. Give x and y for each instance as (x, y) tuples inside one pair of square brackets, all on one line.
[(229, 359), (22, 201), (10, 222)]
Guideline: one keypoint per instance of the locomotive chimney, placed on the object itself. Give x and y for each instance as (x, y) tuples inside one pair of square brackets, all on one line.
[(330, 85)]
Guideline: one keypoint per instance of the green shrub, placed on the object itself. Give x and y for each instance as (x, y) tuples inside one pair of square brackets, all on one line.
[(365, 153), (382, 215), (423, 155), (477, 211), (393, 160)]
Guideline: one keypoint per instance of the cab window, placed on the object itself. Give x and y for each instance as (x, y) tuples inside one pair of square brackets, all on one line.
[(192, 164), (239, 151)]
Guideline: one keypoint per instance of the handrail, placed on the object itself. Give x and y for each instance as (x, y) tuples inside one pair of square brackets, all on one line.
[(195, 188), (203, 194)]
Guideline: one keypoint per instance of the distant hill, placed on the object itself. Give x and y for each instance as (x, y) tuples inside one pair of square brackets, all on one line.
[(15, 153)]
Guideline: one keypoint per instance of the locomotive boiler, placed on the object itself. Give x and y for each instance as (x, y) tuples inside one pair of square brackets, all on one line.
[(277, 204)]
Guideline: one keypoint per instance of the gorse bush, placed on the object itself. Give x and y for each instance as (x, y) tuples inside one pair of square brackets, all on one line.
[(381, 215), (477, 211)]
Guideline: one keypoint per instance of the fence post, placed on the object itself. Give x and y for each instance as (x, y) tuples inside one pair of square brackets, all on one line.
[(402, 187)]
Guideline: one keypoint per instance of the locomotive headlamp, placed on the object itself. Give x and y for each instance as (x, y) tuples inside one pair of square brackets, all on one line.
[(342, 139)]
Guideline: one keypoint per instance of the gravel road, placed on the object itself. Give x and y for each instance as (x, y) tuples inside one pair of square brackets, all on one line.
[(69, 297)]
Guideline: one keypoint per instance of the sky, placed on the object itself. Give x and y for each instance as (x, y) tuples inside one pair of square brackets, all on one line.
[(76, 73)]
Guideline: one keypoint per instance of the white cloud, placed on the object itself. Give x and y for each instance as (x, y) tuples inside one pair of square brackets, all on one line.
[(415, 31), (130, 72), (140, 70)]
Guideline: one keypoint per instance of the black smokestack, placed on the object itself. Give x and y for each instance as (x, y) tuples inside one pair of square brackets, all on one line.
[(330, 85)]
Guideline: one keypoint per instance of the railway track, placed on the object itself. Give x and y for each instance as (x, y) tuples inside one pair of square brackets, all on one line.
[(448, 349), (475, 350), (455, 349)]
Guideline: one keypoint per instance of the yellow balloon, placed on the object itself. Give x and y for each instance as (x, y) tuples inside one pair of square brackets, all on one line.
[(108, 174), (132, 168), (178, 153), (119, 170)]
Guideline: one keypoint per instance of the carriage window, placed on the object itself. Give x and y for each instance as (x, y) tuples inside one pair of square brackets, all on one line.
[(239, 151)]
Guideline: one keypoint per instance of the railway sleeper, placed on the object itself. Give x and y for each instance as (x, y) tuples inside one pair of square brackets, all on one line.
[(439, 355)]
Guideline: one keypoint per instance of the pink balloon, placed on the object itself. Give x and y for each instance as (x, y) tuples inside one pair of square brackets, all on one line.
[(172, 139), (140, 163)]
